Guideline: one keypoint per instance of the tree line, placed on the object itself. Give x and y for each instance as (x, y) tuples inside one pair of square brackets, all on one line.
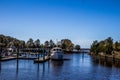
[(8, 41), (106, 46)]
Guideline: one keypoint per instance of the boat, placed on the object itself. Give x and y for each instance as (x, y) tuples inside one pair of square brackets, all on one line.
[(57, 53)]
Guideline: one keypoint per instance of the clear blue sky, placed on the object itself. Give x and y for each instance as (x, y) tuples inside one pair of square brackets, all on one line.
[(82, 21)]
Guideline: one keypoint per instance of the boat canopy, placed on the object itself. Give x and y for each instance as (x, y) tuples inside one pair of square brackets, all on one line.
[(56, 49)]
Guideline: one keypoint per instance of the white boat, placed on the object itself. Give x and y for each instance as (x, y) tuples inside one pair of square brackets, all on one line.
[(57, 53)]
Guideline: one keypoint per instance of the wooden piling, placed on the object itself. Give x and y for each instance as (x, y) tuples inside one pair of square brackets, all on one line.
[(0, 53)]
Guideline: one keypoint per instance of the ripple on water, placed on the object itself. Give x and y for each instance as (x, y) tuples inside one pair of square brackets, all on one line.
[(79, 67)]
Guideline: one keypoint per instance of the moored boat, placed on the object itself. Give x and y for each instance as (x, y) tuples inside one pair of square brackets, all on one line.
[(57, 53)]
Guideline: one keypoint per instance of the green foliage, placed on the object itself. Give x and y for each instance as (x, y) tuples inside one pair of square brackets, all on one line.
[(46, 44), (30, 43), (94, 47), (37, 43), (67, 44), (109, 45), (7, 41), (51, 43), (77, 47), (117, 46), (105, 46)]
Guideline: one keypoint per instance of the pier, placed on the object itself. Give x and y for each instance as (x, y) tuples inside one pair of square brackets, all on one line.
[(8, 58), (41, 60), (36, 54)]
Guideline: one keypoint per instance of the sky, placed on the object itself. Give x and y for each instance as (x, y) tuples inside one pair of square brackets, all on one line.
[(81, 21)]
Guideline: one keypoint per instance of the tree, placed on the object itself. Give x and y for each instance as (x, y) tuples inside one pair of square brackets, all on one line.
[(67, 44), (94, 47), (117, 46), (8, 41), (30, 43), (101, 46), (46, 44), (10, 44), (105, 46), (77, 47), (22, 44), (51, 43), (109, 45), (37, 43)]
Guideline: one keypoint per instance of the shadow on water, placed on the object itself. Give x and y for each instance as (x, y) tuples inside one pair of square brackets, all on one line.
[(43, 71), (104, 63), (48, 65), (83, 57), (38, 71), (57, 63), (0, 66), (17, 68), (0, 58)]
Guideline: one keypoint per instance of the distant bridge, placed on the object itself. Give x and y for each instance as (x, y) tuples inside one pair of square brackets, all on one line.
[(85, 49), (82, 50)]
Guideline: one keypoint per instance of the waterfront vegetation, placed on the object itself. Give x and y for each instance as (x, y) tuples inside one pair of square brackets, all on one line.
[(8, 41), (106, 47)]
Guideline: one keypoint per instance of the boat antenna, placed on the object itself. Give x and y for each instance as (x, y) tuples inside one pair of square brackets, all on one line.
[(57, 42)]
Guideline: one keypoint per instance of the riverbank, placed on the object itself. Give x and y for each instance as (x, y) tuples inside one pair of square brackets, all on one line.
[(113, 59)]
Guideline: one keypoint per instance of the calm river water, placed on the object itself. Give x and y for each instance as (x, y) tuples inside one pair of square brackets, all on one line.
[(79, 67)]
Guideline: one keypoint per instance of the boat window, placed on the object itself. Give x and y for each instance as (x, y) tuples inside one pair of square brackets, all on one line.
[(57, 50)]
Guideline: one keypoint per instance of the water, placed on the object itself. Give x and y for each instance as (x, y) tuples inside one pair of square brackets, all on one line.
[(80, 67)]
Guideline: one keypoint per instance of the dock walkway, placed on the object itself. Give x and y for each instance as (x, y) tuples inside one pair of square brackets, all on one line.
[(8, 58), (41, 60)]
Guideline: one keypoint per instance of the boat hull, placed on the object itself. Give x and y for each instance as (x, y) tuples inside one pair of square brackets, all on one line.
[(57, 54)]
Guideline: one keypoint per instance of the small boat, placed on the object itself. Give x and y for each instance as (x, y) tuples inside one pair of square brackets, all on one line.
[(57, 53)]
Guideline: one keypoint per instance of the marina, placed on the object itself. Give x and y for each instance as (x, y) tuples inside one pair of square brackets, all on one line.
[(41, 60), (59, 40)]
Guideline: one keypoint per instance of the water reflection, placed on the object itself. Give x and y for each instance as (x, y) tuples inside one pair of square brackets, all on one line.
[(80, 67), (82, 57), (17, 68), (38, 69), (0, 66), (57, 63), (106, 63)]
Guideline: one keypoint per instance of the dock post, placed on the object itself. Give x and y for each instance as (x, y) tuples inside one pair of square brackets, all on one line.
[(38, 71), (17, 52), (17, 64), (38, 57), (44, 54), (0, 53), (49, 54), (0, 57)]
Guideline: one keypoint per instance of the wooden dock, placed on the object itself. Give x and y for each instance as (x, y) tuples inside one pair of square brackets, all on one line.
[(12, 58), (41, 60), (8, 58), (24, 58)]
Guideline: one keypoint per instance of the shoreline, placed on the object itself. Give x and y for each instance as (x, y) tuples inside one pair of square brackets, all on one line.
[(113, 60)]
